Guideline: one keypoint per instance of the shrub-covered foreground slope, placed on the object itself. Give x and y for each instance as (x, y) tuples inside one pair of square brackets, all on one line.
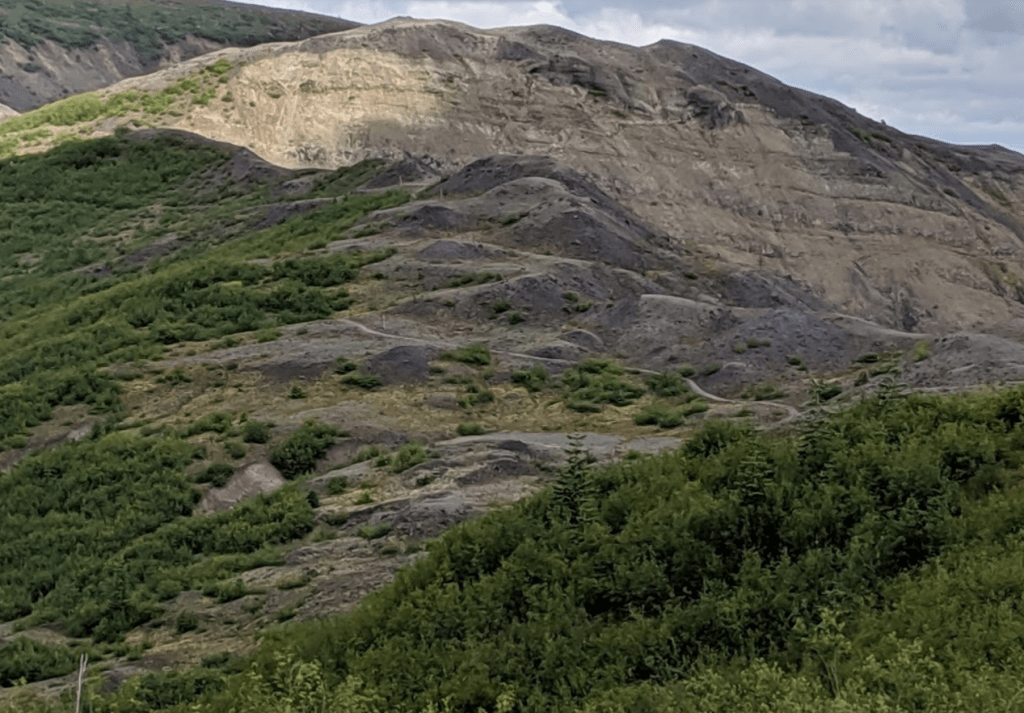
[(872, 561), (114, 204), (113, 252), (145, 283)]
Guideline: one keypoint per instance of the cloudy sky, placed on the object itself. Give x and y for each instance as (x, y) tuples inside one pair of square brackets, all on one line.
[(950, 69)]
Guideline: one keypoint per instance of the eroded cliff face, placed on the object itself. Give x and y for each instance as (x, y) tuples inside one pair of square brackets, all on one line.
[(904, 231), (35, 76)]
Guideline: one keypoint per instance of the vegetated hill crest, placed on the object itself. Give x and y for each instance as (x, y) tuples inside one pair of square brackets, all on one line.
[(56, 49), (904, 231)]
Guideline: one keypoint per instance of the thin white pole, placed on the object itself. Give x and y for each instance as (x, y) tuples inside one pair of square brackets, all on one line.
[(81, 674)]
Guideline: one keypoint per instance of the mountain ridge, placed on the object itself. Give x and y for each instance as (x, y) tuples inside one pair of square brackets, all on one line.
[(58, 49), (752, 181)]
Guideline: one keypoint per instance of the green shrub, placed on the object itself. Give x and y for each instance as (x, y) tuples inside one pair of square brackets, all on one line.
[(473, 279), (884, 368), (216, 422), (374, 532), (217, 474), (472, 354), (695, 407), (476, 396), (174, 377), (221, 66), (30, 660), (344, 366), (763, 392), (336, 518), (187, 621), (711, 369), (228, 591), (294, 582), (922, 350), (256, 431), (234, 449), (657, 414), (666, 416), (362, 380), (302, 449), (408, 455), (267, 334), (366, 453), (825, 391), (470, 429), (533, 379), (337, 486), (500, 307), (669, 385), (592, 383)]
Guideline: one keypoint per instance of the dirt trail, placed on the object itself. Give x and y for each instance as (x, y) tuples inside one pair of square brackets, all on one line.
[(792, 412)]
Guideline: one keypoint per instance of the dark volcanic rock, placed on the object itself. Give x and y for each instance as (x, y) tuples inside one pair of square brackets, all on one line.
[(403, 365), (411, 170)]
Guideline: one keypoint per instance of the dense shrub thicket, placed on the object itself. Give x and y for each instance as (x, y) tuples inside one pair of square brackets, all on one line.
[(96, 533), (826, 571), (24, 659), (299, 452), (51, 200), (60, 328)]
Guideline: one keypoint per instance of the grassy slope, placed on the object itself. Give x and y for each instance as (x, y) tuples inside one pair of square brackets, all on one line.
[(95, 533)]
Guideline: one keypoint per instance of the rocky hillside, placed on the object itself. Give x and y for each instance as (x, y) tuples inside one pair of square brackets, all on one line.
[(903, 231), (328, 298), (56, 49)]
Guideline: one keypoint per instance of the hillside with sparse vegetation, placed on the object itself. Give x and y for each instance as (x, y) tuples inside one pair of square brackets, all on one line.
[(36, 36), (485, 430)]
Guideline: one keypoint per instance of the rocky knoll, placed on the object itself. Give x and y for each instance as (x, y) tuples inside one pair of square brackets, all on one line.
[(750, 174)]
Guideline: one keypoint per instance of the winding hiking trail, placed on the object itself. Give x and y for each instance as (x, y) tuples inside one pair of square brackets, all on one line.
[(792, 412)]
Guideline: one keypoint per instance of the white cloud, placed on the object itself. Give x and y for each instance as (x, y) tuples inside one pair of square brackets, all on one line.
[(952, 69)]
